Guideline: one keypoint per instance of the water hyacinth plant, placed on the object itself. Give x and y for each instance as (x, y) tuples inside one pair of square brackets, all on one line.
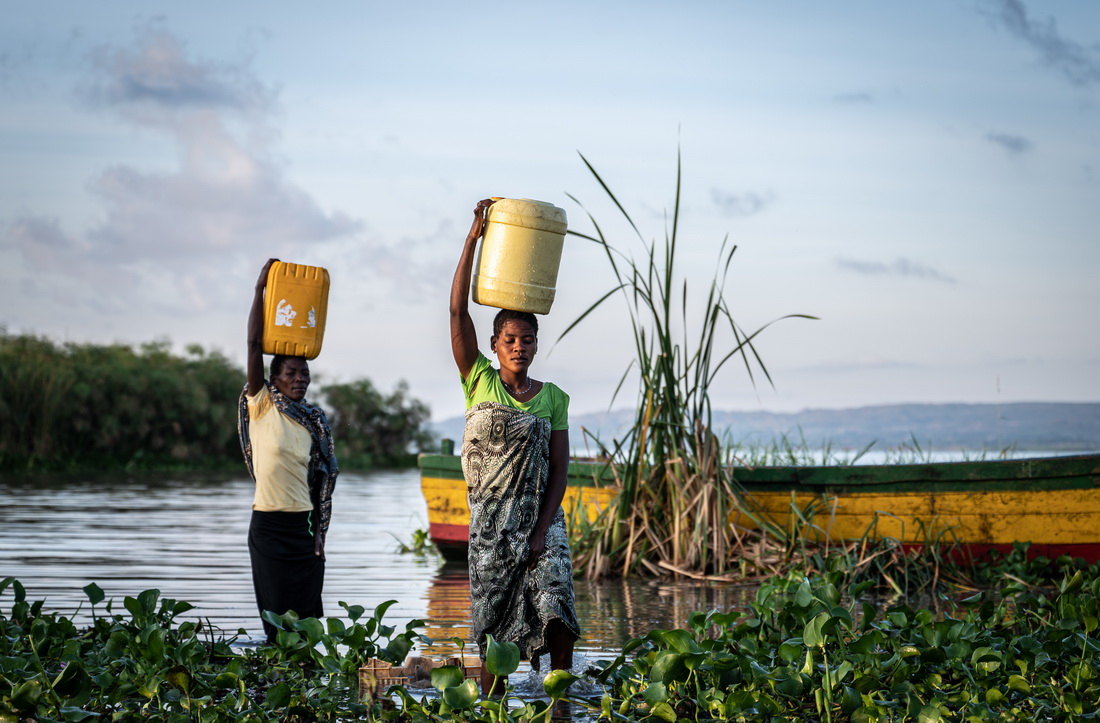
[(677, 486), (808, 647), (802, 653), (140, 663)]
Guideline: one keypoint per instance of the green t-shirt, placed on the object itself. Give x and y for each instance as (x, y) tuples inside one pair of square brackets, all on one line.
[(484, 385)]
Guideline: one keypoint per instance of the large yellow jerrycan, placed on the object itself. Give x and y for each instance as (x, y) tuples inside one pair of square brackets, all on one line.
[(295, 309), (517, 264)]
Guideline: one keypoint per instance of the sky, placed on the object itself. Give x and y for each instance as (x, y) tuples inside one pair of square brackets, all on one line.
[(922, 177)]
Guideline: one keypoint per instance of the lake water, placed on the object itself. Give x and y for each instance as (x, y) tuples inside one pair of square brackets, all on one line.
[(186, 536)]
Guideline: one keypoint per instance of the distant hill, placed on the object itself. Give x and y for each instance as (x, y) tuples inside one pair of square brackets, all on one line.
[(1026, 426)]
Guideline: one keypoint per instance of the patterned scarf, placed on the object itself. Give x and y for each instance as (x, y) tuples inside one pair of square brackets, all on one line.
[(506, 463), (322, 469)]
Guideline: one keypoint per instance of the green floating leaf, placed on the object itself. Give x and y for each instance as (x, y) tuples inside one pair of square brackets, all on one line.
[(287, 638), (313, 628), (277, 696), (813, 634), (985, 655), (461, 696), (155, 644), (73, 683), (791, 686), (398, 648), (842, 672), (664, 711), (117, 644), (1073, 584), (829, 595), (865, 643), (805, 596), (274, 619), (791, 649), (929, 714), (147, 599), (179, 607), (655, 693), (77, 714), (557, 682), (679, 640), (227, 680), (669, 667), (26, 695), (850, 700), (1018, 684), (354, 611), (446, 676), (501, 658), (897, 618), (94, 593), (180, 678), (380, 611)]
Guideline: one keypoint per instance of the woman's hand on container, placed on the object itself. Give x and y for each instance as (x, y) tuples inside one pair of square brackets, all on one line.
[(261, 283), (478, 226)]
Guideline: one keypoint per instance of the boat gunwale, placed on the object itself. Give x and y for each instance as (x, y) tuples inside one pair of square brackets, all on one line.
[(1025, 474)]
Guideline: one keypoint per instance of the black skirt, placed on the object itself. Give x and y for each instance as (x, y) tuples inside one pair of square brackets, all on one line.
[(285, 573)]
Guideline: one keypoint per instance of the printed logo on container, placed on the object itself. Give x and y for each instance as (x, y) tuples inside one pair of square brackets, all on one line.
[(285, 313)]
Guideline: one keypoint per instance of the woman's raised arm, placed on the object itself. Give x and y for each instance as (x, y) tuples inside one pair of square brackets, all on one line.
[(463, 336), (255, 360)]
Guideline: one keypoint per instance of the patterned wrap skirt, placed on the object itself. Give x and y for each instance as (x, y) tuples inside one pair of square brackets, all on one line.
[(506, 462)]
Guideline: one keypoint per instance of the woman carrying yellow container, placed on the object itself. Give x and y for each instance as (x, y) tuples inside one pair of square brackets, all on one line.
[(515, 453), (288, 448)]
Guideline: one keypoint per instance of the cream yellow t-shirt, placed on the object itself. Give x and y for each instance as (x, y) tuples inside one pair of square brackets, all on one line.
[(280, 457)]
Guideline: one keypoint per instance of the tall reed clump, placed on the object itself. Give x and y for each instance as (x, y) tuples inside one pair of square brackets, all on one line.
[(677, 491)]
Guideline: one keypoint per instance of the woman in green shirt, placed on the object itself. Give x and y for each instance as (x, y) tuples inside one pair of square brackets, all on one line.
[(515, 454)]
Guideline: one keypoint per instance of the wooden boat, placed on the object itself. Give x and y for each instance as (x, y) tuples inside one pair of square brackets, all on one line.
[(1051, 502)]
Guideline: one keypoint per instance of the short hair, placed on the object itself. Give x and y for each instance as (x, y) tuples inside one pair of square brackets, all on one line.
[(505, 315), (280, 360)]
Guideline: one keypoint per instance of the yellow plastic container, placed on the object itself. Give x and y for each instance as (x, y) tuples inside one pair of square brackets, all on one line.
[(295, 309), (517, 264)]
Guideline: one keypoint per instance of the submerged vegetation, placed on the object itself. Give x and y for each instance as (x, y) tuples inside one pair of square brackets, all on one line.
[(79, 407), (810, 647)]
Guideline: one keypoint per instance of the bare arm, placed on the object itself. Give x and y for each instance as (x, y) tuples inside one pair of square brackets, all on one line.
[(255, 363), (555, 492), (463, 336)]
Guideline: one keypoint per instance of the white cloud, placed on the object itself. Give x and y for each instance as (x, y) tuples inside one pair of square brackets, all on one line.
[(155, 82), (1010, 142), (226, 203), (741, 204), (1078, 63), (900, 267)]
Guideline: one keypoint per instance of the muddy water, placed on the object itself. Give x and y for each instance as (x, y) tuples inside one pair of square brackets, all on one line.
[(186, 536)]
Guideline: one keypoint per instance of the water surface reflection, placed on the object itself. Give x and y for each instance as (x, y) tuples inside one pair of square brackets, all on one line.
[(186, 536)]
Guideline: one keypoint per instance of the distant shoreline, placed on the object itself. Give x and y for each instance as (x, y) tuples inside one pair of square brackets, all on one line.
[(1062, 427)]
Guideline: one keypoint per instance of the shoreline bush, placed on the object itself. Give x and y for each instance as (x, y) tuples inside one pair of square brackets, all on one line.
[(90, 407)]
